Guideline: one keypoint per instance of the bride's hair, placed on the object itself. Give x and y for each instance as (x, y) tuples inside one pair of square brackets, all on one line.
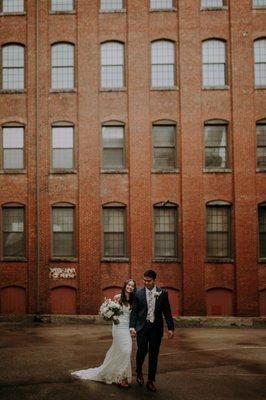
[(123, 298)]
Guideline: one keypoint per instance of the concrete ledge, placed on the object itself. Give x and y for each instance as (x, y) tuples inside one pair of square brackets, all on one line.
[(180, 322)]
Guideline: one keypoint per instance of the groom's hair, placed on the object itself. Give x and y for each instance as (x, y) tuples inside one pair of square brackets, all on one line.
[(150, 273)]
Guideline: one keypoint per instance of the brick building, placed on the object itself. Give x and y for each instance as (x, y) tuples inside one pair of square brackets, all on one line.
[(133, 135)]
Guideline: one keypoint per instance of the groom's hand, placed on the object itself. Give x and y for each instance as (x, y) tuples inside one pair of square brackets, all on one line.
[(133, 332), (170, 334)]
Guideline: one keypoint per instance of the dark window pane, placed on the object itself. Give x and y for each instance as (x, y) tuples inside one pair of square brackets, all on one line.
[(13, 227), (164, 158), (114, 232), (114, 244), (165, 245), (63, 245), (262, 231), (13, 244), (165, 232), (218, 231)]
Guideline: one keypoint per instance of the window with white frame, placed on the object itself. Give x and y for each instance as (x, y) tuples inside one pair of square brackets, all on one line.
[(112, 5), (13, 67), (161, 4), (63, 66), (261, 144), (262, 230), (62, 146), (162, 64), (214, 63), (213, 4), (260, 62), (216, 145), (112, 65), (13, 147), (165, 230), (164, 146), (12, 6), (13, 230), (62, 5), (63, 230), (259, 3), (113, 147), (114, 230), (218, 230)]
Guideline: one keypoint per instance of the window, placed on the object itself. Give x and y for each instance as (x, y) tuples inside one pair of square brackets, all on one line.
[(12, 6), (63, 230), (13, 67), (62, 147), (165, 230), (262, 230), (13, 147), (214, 63), (218, 226), (62, 5), (259, 3), (112, 65), (216, 152), (164, 147), (63, 66), (213, 3), (260, 62), (163, 64), (261, 144), (13, 230), (112, 5), (114, 216), (113, 147), (161, 4)]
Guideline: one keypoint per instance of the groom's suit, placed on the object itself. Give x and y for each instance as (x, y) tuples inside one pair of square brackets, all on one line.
[(149, 334)]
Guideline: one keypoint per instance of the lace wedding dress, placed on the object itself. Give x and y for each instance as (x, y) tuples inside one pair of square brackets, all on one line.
[(117, 363)]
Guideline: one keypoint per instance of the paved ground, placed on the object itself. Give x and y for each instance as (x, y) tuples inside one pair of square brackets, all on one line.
[(198, 364)]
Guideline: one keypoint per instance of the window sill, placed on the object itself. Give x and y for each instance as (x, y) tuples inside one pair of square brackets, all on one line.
[(217, 170), (74, 90), (63, 171), (64, 259), (12, 91), (223, 8), (114, 171), (118, 11), (166, 260), (260, 87), (261, 169), (13, 171), (8, 14), (226, 87), (122, 89), (115, 259), (165, 171), (14, 259), (219, 260), (62, 12), (163, 9), (166, 88), (262, 260)]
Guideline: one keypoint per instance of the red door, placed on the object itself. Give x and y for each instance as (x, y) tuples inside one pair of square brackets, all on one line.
[(13, 300), (63, 300), (219, 302)]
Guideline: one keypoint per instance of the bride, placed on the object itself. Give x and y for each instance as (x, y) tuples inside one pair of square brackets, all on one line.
[(116, 367)]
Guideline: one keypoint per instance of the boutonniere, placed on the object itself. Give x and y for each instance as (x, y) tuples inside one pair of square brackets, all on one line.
[(157, 294)]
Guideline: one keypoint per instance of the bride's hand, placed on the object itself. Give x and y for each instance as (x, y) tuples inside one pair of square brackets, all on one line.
[(133, 332)]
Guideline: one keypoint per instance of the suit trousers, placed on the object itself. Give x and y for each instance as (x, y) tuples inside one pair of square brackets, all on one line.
[(148, 340)]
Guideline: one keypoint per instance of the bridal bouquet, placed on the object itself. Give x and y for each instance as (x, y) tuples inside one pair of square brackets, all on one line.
[(110, 311)]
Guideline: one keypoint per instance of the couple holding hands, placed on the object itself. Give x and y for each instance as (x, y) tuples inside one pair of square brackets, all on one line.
[(142, 317)]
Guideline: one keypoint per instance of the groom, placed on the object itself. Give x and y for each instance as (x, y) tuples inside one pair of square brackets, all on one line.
[(146, 322)]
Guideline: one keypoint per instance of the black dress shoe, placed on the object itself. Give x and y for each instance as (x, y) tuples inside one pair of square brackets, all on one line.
[(150, 386), (140, 380)]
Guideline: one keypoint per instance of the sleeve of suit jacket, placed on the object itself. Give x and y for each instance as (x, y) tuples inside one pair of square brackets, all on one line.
[(167, 313), (134, 313)]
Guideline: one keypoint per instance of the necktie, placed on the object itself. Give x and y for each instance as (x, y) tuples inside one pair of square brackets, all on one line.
[(150, 316)]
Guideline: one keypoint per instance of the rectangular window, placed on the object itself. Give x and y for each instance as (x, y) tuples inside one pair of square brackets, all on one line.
[(161, 4), (112, 65), (214, 63), (63, 232), (218, 232), (63, 66), (259, 3), (63, 146), (13, 147), (212, 3), (163, 64), (216, 146), (62, 5), (164, 151), (112, 5), (114, 232), (113, 147), (261, 145), (13, 235), (262, 231), (165, 230), (13, 6)]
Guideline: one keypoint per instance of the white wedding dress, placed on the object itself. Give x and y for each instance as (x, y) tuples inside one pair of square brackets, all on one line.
[(117, 362)]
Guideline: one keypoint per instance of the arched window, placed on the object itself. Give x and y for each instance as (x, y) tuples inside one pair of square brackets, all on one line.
[(165, 230), (12, 6), (62, 5), (63, 223), (13, 235), (216, 144), (113, 145), (112, 5), (162, 64), (262, 230), (63, 66), (260, 62), (13, 67), (114, 230), (13, 147), (261, 144), (164, 145), (62, 146), (112, 65), (218, 230), (214, 63)]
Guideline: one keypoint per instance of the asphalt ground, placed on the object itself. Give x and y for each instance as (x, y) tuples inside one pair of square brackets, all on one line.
[(197, 364)]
